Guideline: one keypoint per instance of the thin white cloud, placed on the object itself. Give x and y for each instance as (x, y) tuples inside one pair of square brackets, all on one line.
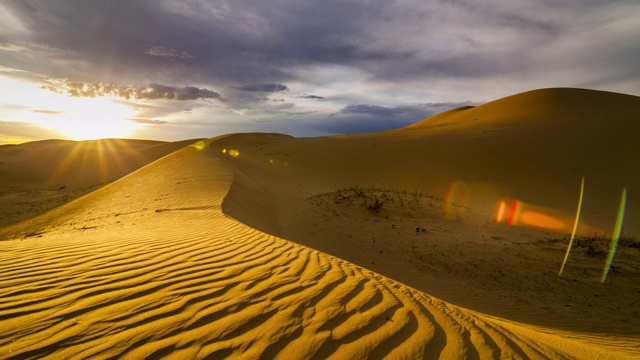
[(27, 46), (8, 69), (8, 46)]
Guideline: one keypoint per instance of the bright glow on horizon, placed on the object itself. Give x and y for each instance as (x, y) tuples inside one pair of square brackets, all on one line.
[(92, 118), (77, 118)]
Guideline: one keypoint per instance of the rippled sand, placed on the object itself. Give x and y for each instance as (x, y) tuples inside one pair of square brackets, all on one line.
[(150, 266)]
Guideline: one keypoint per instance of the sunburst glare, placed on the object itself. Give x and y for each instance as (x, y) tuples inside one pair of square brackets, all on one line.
[(76, 117), (90, 118)]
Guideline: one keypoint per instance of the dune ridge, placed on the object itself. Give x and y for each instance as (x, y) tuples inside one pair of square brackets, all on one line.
[(383, 201), (149, 266)]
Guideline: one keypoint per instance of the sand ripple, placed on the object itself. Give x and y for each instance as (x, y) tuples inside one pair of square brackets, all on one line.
[(188, 282)]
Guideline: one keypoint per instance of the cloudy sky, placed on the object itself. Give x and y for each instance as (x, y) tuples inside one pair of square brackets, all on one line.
[(178, 69)]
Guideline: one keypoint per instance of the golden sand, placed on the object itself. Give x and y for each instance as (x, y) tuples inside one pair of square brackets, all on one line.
[(331, 247)]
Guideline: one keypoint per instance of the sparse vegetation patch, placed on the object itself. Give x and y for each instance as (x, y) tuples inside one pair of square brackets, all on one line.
[(379, 200)]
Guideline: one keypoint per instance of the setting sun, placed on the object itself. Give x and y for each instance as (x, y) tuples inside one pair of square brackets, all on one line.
[(77, 118), (89, 118)]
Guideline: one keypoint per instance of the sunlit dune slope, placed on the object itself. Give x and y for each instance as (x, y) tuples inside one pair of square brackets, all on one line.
[(420, 204), (537, 145), (150, 267), (534, 147)]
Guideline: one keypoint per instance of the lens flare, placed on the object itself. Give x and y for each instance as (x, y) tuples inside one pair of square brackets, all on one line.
[(457, 200), (501, 209), (617, 230), (234, 153), (538, 219), (515, 212), (523, 214), (200, 145), (575, 227)]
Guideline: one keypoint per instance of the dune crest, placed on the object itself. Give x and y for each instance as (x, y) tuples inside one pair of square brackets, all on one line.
[(420, 204), (149, 266)]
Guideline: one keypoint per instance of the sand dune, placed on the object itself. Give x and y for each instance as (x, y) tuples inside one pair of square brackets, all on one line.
[(189, 256), (38, 176), (445, 241), (136, 285)]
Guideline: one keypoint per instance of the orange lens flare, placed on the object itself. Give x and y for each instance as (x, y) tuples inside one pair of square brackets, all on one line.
[(457, 200), (501, 210), (536, 219), (523, 214)]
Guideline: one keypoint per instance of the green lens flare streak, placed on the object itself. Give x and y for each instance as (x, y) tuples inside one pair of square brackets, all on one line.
[(575, 228), (616, 235)]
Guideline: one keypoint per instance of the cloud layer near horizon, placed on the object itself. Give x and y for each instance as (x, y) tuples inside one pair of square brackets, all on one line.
[(149, 92), (360, 60)]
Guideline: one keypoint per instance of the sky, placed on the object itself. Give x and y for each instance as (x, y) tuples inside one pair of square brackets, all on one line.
[(181, 69)]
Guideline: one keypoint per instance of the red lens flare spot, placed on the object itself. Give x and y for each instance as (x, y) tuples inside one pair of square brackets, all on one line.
[(513, 215)]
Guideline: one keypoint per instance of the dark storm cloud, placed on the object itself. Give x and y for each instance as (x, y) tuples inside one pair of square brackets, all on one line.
[(315, 97), (168, 53), (260, 42), (149, 92), (410, 113), (261, 87), (359, 118)]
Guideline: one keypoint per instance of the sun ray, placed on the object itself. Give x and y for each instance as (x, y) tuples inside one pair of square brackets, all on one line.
[(67, 161)]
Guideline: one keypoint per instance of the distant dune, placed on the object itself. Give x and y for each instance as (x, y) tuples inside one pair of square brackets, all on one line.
[(382, 245), (38, 176)]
